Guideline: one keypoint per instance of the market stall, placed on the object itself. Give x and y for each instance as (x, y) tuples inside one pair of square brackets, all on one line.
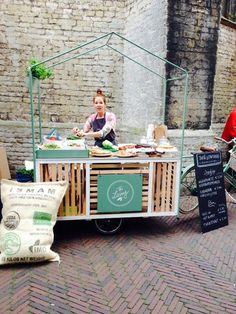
[(113, 187), (135, 180)]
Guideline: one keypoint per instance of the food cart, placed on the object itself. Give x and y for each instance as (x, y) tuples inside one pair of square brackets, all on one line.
[(108, 188)]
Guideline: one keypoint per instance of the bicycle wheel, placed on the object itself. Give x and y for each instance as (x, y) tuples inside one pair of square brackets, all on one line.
[(230, 185), (188, 191), (108, 226)]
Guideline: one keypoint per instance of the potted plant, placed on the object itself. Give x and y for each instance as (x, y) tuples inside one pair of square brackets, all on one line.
[(24, 175), (39, 71)]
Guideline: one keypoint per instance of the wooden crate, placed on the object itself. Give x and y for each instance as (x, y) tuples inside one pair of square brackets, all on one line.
[(164, 186), (128, 168), (73, 203), (4, 167)]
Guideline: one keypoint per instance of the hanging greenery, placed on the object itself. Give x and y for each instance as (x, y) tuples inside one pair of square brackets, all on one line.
[(40, 71)]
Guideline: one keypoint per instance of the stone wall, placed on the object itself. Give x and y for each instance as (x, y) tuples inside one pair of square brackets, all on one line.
[(192, 44), (225, 79), (184, 32), (146, 26), (43, 29)]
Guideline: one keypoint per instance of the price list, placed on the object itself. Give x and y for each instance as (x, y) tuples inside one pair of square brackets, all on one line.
[(211, 191)]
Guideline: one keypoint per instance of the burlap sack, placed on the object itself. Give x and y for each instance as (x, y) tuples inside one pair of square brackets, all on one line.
[(28, 216)]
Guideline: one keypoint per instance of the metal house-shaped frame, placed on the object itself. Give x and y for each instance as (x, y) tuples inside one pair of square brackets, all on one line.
[(117, 44)]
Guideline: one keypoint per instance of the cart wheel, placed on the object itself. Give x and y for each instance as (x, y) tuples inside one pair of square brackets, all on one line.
[(108, 226), (188, 191)]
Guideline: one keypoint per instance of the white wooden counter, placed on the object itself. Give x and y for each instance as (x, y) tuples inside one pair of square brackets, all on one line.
[(160, 184)]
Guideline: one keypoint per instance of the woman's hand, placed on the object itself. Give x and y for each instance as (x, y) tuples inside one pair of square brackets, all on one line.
[(75, 130), (78, 132)]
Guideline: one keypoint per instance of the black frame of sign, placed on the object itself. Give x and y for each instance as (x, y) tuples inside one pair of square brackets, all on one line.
[(211, 190)]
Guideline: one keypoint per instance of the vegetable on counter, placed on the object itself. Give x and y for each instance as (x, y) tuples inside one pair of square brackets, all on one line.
[(73, 137), (109, 146), (51, 146)]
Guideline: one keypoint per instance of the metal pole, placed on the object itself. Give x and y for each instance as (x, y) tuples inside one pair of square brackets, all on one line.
[(32, 118), (39, 112)]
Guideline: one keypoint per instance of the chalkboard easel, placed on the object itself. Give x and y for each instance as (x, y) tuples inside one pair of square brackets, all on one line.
[(211, 190)]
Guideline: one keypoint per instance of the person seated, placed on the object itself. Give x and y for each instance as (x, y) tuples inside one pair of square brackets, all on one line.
[(101, 124)]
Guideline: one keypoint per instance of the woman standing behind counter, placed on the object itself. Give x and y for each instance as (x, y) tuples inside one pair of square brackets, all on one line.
[(101, 124)]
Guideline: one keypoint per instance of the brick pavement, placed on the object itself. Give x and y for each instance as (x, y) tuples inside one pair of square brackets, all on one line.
[(160, 265)]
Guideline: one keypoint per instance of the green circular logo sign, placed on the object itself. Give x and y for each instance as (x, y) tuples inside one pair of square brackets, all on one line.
[(120, 193), (11, 243)]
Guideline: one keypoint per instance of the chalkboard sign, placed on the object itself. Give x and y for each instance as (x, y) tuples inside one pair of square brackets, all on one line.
[(211, 191)]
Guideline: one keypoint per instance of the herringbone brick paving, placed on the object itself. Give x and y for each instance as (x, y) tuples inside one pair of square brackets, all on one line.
[(160, 265)]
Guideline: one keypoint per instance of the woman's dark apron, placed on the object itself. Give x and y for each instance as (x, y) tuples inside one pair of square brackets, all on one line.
[(97, 125)]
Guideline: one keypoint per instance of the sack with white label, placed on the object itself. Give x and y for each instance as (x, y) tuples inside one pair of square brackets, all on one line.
[(28, 216)]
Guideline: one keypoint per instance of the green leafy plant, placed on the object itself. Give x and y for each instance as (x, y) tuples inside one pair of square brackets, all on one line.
[(39, 71), (24, 175), (24, 171), (51, 146), (73, 137)]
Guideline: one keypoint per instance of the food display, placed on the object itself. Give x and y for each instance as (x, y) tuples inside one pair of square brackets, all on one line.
[(53, 138), (99, 152), (144, 148), (73, 138), (75, 146), (125, 154), (68, 147), (167, 147), (51, 146), (55, 142), (74, 142), (108, 145), (52, 141), (126, 146)]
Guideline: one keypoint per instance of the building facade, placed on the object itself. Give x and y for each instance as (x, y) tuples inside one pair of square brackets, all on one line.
[(191, 34)]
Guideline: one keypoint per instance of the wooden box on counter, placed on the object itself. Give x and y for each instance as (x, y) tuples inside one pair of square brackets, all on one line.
[(62, 153)]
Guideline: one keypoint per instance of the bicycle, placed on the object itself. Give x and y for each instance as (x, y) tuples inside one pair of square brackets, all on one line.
[(188, 186)]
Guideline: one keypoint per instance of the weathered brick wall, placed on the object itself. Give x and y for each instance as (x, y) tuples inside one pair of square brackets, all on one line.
[(43, 29), (192, 44), (145, 25), (225, 79)]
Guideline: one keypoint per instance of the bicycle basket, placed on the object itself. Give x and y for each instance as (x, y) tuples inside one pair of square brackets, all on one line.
[(233, 161)]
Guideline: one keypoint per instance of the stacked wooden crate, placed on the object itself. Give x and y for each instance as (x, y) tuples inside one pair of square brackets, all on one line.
[(118, 168), (164, 186), (163, 190), (73, 203)]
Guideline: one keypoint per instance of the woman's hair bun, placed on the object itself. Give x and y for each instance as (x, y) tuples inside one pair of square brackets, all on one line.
[(99, 94), (99, 91)]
